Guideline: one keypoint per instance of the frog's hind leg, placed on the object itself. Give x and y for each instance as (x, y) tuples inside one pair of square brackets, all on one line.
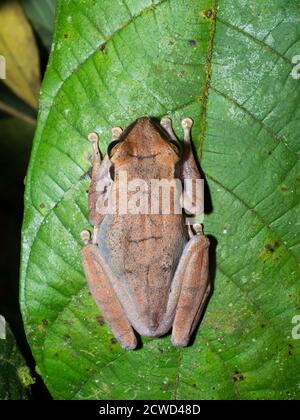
[(100, 279), (192, 274)]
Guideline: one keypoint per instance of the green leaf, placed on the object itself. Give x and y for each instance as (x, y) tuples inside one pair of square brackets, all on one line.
[(14, 374), (228, 66), (41, 15)]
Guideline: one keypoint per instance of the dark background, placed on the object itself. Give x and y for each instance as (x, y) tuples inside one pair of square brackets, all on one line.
[(17, 126)]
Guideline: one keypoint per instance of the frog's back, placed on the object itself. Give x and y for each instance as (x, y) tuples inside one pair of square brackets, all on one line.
[(143, 250)]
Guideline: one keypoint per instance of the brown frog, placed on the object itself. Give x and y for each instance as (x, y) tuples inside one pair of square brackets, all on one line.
[(147, 271)]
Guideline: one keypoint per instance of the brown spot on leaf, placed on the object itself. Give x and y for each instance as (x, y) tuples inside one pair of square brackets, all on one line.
[(192, 42), (272, 247), (113, 341), (165, 387), (102, 47), (45, 322), (68, 338), (208, 14), (238, 376), (269, 248), (100, 320)]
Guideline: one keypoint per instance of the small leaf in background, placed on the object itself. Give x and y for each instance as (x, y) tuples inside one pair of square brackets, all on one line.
[(41, 15), (15, 378), (12, 105), (18, 46), (228, 67)]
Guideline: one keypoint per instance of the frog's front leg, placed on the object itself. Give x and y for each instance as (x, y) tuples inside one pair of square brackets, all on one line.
[(101, 182), (100, 280), (192, 276), (193, 269), (98, 274)]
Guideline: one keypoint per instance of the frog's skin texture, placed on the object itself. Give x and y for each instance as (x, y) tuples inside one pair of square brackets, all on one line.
[(146, 272)]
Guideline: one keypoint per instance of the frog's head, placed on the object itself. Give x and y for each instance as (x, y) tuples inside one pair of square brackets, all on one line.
[(145, 139)]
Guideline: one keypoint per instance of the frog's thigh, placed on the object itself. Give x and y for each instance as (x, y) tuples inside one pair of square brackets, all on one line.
[(99, 280), (195, 288)]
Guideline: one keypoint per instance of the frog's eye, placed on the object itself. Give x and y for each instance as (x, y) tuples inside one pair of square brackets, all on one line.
[(113, 147)]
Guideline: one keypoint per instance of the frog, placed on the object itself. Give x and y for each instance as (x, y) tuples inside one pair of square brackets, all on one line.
[(147, 272)]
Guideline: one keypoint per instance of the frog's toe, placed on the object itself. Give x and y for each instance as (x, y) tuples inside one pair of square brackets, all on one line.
[(187, 123), (93, 137), (180, 341), (85, 237), (128, 342), (116, 133), (166, 122)]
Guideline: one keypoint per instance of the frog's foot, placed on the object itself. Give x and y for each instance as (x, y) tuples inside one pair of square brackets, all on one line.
[(193, 274), (116, 133), (187, 124), (85, 237), (196, 228), (166, 123), (100, 280)]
